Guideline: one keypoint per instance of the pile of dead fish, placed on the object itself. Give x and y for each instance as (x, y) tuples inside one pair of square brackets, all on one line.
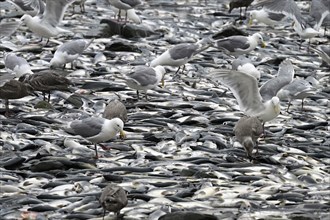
[(179, 154)]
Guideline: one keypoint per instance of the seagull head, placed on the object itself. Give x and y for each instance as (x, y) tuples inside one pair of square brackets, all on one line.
[(276, 105), (26, 18), (119, 126), (259, 39)]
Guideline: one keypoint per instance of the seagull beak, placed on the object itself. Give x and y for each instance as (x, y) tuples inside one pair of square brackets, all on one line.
[(163, 83), (277, 109), (263, 44), (122, 134)]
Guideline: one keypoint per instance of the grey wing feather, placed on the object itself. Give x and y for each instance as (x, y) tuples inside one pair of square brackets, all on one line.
[(132, 3), (55, 11), (88, 127), (232, 43), (287, 7), (143, 76), (243, 86), (183, 51), (73, 47), (276, 16)]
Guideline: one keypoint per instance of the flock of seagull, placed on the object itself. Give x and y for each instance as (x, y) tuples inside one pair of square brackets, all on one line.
[(260, 105)]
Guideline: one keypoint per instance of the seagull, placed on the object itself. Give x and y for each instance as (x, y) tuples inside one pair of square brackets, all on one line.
[(130, 14), (324, 52), (45, 23), (96, 130), (290, 9), (284, 76), (245, 65), (239, 4), (14, 89), (124, 5), (113, 199), (319, 10), (297, 89), (18, 65), (266, 17), (68, 52), (238, 45), (180, 54), (144, 78), (247, 131), (115, 109), (46, 81), (245, 89)]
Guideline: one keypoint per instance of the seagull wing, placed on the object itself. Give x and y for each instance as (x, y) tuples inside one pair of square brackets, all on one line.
[(143, 76), (55, 11), (284, 77), (244, 87), (287, 7)]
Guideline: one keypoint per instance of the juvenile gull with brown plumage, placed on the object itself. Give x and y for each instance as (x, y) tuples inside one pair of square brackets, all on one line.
[(47, 81), (247, 131), (113, 199), (115, 109), (14, 89)]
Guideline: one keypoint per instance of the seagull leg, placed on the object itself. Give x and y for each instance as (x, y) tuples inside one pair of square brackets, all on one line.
[(287, 110), (103, 212), (119, 14), (96, 154), (177, 70), (47, 42), (302, 105), (7, 107), (184, 67), (137, 93), (48, 97), (44, 95), (146, 95)]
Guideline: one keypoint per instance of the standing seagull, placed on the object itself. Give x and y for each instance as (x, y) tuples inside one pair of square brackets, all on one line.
[(14, 89), (297, 89), (320, 9), (238, 45), (144, 78), (266, 17), (290, 9), (247, 131), (69, 51), (45, 23), (113, 199), (47, 81), (18, 65), (124, 5), (180, 54), (96, 130), (245, 89)]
